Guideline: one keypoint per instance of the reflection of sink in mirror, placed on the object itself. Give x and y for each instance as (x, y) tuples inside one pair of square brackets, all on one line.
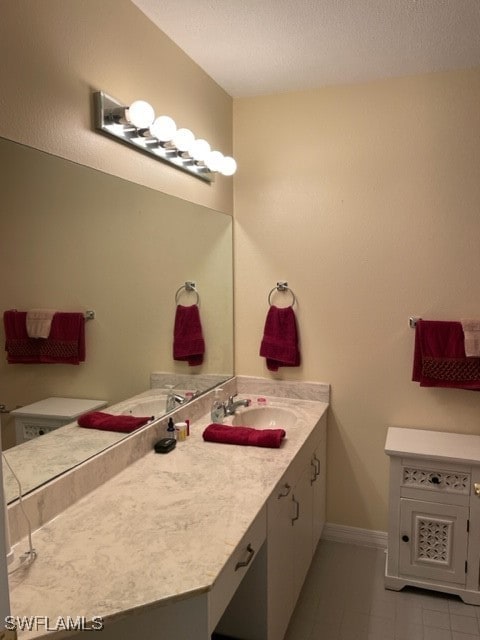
[(265, 417), (148, 407), (149, 403)]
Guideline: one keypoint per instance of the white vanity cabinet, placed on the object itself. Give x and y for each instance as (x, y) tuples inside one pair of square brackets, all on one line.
[(263, 605), (434, 512), (295, 516)]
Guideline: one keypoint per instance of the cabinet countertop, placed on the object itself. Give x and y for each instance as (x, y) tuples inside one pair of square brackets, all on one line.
[(435, 445), (159, 531)]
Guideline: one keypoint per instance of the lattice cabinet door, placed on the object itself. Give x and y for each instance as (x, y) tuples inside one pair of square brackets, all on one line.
[(433, 540)]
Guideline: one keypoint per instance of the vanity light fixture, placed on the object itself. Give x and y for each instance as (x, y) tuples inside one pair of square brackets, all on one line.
[(137, 126)]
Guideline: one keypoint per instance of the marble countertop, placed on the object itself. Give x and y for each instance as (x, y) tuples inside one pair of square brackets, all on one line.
[(160, 530), (435, 445)]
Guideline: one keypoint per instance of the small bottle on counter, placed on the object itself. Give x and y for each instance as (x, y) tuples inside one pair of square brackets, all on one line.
[(170, 433), (218, 411), (181, 431)]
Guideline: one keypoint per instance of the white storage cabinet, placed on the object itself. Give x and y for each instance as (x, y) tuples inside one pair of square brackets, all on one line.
[(434, 512), (44, 416)]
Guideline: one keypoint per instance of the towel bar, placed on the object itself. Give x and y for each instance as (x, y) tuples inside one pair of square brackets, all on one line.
[(188, 286), (282, 286)]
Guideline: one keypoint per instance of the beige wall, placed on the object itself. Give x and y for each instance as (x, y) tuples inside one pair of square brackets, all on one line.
[(56, 52), (366, 199)]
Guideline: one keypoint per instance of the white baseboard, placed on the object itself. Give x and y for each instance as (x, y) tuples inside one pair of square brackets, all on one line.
[(354, 535)]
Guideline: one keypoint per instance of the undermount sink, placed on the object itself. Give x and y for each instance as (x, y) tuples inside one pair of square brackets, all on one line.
[(264, 418)]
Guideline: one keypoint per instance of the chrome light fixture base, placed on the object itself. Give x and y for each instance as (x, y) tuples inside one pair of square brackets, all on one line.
[(109, 119)]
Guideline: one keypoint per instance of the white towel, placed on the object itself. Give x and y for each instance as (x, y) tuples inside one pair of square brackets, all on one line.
[(471, 330), (39, 322)]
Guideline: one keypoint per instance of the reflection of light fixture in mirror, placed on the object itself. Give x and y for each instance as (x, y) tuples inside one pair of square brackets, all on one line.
[(136, 126)]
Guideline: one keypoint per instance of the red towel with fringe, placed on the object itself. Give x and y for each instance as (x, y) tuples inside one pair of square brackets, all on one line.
[(280, 339), (188, 342), (110, 422), (439, 358), (244, 435), (64, 345)]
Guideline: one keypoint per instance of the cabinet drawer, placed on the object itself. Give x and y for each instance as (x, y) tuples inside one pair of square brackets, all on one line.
[(233, 572), (454, 480)]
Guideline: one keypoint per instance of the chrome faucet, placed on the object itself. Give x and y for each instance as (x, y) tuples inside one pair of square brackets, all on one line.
[(175, 398), (230, 406)]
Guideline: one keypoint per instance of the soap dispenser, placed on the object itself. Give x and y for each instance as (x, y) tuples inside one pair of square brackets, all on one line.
[(218, 410)]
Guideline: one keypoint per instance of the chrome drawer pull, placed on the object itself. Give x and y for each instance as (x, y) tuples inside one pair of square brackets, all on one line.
[(287, 489), (476, 488), (297, 515), (251, 553)]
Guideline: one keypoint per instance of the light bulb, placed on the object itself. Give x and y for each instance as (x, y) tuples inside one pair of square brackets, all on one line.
[(199, 149), (140, 114), (182, 139), (214, 160), (228, 166), (163, 128)]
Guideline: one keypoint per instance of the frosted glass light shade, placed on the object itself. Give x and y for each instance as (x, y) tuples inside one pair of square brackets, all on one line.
[(228, 166), (140, 114), (214, 160), (182, 139), (199, 149), (163, 128)]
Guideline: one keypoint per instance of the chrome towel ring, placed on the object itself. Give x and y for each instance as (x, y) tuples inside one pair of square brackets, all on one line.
[(188, 287), (282, 286)]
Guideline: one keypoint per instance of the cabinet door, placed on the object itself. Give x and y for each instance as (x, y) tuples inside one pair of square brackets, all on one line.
[(318, 482), (302, 529), (280, 597), (433, 540)]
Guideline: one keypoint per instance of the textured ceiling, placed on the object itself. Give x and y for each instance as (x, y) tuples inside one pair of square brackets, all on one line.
[(252, 47)]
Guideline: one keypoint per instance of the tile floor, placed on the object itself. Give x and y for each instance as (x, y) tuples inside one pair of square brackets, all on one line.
[(343, 598)]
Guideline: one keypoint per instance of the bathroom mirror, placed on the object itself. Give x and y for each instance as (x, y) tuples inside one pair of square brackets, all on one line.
[(77, 239)]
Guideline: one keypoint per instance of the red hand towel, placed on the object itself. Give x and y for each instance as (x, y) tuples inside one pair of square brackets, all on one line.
[(188, 342), (65, 344), (439, 357), (280, 338), (110, 422), (244, 435)]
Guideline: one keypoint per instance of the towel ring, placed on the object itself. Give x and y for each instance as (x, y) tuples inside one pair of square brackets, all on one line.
[(188, 286), (282, 286)]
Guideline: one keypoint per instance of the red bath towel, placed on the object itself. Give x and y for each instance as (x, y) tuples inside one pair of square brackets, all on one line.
[(188, 342), (110, 422), (280, 338), (439, 357), (64, 345), (244, 435)]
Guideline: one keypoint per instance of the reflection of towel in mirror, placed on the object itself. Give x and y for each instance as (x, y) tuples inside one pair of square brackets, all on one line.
[(244, 435), (280, 338), (64, 345), (188, 342), (39, 322), (110, 422)]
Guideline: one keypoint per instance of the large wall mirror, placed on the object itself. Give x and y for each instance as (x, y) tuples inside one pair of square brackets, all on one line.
[(77, 239)]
